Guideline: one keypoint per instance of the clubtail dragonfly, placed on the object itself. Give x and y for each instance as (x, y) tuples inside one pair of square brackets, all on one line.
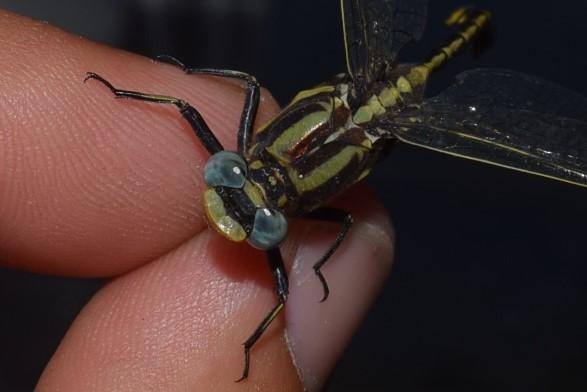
[(329, 137)]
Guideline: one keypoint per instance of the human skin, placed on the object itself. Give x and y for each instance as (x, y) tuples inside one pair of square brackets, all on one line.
[(95, 186)]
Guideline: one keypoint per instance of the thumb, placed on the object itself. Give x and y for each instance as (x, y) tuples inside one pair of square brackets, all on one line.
[(318, 332)]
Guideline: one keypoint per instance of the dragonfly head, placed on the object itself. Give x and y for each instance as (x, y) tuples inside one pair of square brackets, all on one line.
[(235, 207)]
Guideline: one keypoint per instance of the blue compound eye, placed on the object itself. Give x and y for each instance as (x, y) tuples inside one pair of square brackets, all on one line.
[(227, 169), (269, 229)]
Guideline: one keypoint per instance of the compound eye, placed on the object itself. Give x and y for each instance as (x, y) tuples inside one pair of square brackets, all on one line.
[(227, 169), (269, 229)]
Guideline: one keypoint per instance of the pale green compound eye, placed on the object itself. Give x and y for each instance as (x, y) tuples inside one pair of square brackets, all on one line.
[(227, 169), (269, 229)]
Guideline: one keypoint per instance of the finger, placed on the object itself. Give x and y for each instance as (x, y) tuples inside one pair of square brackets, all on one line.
[(177, 324), (91, 185)]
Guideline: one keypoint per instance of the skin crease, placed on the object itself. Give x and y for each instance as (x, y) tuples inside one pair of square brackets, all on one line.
[(94, 186)]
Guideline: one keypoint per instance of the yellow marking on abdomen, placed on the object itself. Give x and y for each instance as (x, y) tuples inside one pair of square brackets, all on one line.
[(459, 17), (373, 108), (403, 85), (389, 96)]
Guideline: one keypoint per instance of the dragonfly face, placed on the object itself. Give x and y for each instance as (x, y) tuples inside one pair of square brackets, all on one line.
[(235, 206)]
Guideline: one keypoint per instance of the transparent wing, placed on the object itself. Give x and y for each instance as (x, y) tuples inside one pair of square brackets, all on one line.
[(376, 30), (502, 88), (507, 119)]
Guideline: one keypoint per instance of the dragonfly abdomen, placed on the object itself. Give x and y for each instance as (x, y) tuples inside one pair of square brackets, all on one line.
[(389, 97)]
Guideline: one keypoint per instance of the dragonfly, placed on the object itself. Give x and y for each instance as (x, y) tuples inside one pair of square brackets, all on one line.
[(329, 137)]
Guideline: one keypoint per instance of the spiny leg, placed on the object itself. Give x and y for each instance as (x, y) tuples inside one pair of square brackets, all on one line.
[(253, 92), (281, 289), (193, 117), (334, 215)]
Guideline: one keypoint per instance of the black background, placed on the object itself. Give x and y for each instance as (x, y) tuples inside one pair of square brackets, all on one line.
[(489, 286)]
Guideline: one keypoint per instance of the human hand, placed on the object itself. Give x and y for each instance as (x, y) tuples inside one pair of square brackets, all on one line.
[(93, 186)]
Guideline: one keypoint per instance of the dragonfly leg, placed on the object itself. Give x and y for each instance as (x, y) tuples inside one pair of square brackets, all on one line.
[(281, 289), (253, 92), (192, 116), (334, 215)]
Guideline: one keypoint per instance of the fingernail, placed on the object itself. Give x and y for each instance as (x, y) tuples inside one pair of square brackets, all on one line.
[(318, 332)]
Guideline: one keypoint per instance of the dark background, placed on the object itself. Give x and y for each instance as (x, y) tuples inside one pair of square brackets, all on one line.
[(488, 291)]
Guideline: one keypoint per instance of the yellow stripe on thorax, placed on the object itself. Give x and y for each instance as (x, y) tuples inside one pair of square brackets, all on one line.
[(300, 96), (327, 170), (311, 92), (298, 131)]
